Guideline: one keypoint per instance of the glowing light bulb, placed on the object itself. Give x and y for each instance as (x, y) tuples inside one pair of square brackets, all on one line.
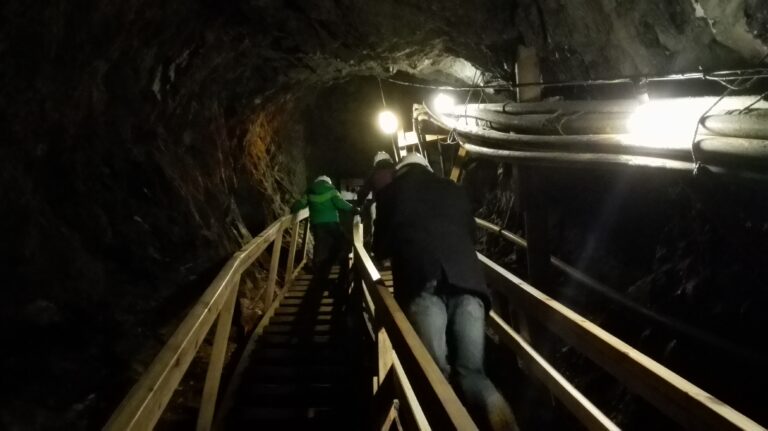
[(444, 103), (668, 123), (388, 122)]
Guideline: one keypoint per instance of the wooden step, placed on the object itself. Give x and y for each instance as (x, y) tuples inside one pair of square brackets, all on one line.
[(305, 287), (292, 318), (285, 415), (291, 294), (314, 419), (294, 339), (294, 310), (312, 327), (299, 301), (297, 395), (326, 374), (317, 353)]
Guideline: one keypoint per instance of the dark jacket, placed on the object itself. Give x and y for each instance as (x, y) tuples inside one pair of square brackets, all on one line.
[(382, 175), (324, 203), (425, 225)]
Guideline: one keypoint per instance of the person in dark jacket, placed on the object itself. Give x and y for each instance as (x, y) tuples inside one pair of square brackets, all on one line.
[(426, 226), (331, 245), (382, 174)]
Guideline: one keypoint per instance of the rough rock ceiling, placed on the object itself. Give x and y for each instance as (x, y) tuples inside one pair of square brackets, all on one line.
[(606, 38)]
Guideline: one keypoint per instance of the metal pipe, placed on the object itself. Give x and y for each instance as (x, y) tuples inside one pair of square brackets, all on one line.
[(723, 151), (719, 153), (577, 144), (676, 326), (607, 106), (621, 105), (752, 126), (737, 147), (552, 124), (749, 126), (569, 157), (604, 148)]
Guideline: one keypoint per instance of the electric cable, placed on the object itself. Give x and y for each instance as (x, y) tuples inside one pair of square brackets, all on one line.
[(757, 100), (717, 76), (381, 89)]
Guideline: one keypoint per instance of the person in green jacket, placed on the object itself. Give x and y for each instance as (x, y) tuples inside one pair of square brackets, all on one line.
[(331, 245)]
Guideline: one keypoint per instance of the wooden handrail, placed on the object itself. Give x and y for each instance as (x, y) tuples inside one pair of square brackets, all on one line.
[(435, 396), (675, 326), (689, 405), (144, 404), (575, 401)]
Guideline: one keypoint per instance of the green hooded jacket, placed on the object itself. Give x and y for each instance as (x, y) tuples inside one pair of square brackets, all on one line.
[(324, 203)]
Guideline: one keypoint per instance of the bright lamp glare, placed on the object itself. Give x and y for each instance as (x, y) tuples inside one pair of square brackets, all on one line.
[(665, 123), (444, 103), (387, 122)]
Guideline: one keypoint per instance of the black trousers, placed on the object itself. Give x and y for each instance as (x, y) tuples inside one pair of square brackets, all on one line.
[(331, 247)]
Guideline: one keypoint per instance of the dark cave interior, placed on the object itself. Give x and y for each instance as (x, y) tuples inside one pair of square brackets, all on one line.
[(145, 142)]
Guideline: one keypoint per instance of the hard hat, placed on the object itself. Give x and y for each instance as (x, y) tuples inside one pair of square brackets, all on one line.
[(324, 178), (414, 159), (381, 155)]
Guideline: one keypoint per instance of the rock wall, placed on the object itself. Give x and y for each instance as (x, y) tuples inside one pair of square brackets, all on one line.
[(586, 39)]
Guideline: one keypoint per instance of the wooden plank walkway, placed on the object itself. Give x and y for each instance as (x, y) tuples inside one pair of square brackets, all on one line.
[(306, 369)]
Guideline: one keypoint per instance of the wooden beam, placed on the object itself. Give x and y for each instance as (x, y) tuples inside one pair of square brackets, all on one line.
[(256, 246), (274, 265), (527, 70), (384, 353), (216, 362), (535, 213), (411, 413), (145, 402), (530, 187), (578, 404), (384, 401), (305, 241), (686, 403), (245, 359), (458, 165), (291, 270), (292, 248)]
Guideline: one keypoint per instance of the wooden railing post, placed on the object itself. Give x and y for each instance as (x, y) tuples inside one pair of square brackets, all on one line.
[(458, 165), (218, 354), (305, 242), (384, 353), (273, 266), (292, 251)]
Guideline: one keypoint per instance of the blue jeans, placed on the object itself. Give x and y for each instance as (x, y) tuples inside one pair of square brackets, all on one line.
[(451, 324)]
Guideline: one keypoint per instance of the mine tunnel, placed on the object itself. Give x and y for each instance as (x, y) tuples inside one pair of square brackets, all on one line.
[(614, 155)]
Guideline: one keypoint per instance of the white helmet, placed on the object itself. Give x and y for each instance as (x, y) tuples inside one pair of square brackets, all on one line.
[(381, 155), (324, 178), (414, 158)]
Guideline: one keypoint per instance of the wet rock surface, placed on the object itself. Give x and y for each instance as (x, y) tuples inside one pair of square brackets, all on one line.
[(143, 142)]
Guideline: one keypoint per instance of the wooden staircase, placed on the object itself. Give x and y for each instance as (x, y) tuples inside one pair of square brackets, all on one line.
[(305, 369)]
